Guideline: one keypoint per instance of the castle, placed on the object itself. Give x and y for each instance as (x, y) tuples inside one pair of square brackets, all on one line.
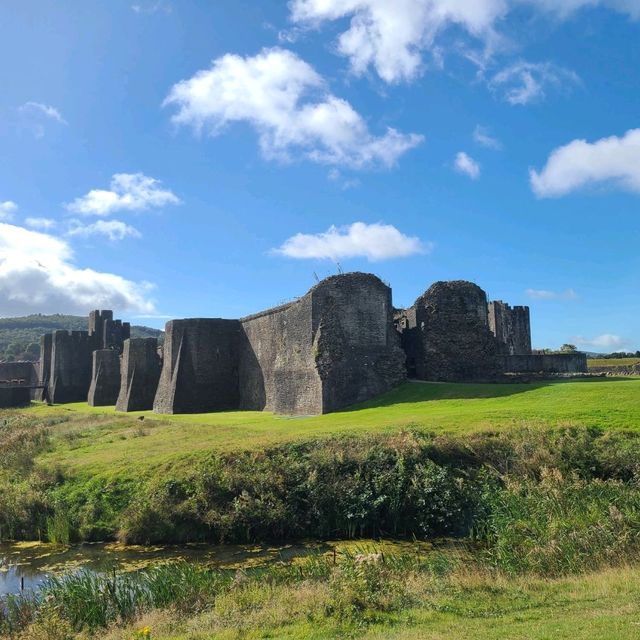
[(340, 344)]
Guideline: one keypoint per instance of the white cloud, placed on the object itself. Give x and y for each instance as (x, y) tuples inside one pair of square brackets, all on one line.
[(7, 210), (44, 109), (112, 229), (483, 137), (35, 116), (37, 275), (524, 82), (289, 106), (605, 341), (43, 224), (392, 36), (128, 192), (359, 240), (580, 164), (544, 294), (465, 164)]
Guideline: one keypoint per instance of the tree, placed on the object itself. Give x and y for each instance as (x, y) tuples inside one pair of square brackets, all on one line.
[(33, 349), (568, 348)]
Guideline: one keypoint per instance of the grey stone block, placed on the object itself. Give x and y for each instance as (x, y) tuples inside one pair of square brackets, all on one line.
[(105, 378), (139, 372)]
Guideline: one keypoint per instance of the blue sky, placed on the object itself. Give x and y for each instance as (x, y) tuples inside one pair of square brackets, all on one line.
[(181, 158)]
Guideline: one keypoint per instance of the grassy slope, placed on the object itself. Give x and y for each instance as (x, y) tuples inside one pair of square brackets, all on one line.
[(102, 441)]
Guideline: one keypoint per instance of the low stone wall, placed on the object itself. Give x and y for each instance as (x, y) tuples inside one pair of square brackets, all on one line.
[(545, 363), (14, 372), (617, 370), (14, 397)]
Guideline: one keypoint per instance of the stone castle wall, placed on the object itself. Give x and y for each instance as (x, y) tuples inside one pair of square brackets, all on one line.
[(14, 397), (14, 372), (546, 363), (66, 360), (70, 367), (511, 327), (200, 369), (44, 367), (332, 347), (276, 364), (452, 340), (358, 353), (105, 378), (139, 374), (342, 343)]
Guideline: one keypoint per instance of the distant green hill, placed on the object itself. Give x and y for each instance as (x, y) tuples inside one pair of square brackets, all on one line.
[(20, 337)]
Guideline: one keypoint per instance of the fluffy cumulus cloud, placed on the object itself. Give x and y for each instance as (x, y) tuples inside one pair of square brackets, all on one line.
[(290, 107), (37, 275), (579, 164), (545, 294), (525, 82), (375, 242), (112, 229), (7, 210), (607, 341), (391, 37), (127, 192), (466, 165)]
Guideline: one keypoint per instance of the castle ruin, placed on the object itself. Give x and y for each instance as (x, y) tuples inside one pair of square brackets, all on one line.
[(340, 344)]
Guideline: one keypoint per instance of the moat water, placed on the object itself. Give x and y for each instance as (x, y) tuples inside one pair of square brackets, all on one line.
[(27, 565)]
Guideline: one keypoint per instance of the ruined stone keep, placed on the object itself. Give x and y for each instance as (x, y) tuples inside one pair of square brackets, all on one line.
[(452, 333), (339, 344)]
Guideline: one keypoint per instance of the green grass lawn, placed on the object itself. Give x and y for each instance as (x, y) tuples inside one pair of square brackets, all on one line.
[(92, 440), (612, 362)]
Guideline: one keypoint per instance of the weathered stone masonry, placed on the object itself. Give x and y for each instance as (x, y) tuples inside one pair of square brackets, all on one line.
[(340, 344), (453, 334), (66, 359), (105, 378), (331, 348), (139, 373), (511, 327)]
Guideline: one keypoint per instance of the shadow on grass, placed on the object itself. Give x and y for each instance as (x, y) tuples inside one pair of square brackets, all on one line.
[(421, 391)]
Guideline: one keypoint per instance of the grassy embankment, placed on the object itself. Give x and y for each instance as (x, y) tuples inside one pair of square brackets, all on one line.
[(539, 482), (94, 441)]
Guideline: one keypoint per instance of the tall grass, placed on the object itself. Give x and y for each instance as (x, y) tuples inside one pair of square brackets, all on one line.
[(561, 525), (362, 581)]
